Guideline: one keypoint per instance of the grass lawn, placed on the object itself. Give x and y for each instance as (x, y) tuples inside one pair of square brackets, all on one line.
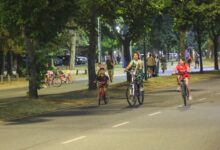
[(22, 107)]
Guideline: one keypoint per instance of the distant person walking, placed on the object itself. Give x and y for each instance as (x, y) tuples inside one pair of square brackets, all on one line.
[(189, 60), (110, 68), (118, 59), (197, 57), (150, 65), (163, 61), (157, 66)]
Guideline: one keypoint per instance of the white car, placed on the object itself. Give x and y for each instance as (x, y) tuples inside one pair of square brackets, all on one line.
[(80, 60)]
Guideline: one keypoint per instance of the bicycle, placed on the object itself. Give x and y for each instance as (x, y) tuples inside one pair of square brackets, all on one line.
[(102, 96), (56, 80), (184, 90), (133, 93)]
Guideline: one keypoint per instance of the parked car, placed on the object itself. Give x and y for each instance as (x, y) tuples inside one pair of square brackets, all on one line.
[(58, 61), (81, 60)]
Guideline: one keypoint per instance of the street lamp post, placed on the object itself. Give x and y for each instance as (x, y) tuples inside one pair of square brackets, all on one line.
[(145, 59), (99, 41)]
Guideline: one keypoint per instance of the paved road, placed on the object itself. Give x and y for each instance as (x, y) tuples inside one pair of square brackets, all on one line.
[(162, 123)]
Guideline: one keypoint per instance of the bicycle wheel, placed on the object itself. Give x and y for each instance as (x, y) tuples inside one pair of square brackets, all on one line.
[(106, 98), (57, 82), (141, 97), (69, 79), (130, 95), (183, 92)]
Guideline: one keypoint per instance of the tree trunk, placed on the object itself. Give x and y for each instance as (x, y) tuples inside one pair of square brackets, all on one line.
[(92, 51), (199, 36), (32, 66), (127, 55), (72, 49), (15, 64), (216, 44), (1, 61), (210, 48), (182, 43), (9, 62)]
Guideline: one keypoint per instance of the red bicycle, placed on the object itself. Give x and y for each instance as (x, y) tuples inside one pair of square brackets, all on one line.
[(102, 93)]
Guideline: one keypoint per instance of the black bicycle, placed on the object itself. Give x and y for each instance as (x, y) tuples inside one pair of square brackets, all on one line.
[(133, 93), (184, 90)]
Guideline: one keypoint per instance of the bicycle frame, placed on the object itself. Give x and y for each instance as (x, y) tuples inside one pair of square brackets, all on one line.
[(133, 91), (102, 93), (133, 82), (183, 89)]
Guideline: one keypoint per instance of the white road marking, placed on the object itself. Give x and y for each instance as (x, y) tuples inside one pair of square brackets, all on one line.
[(73, 140), (202, 99), (179, 106), (121, 124), (153, 114), (205, 79)]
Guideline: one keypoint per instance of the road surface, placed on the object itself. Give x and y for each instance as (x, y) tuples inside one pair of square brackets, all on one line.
[(162, 123)]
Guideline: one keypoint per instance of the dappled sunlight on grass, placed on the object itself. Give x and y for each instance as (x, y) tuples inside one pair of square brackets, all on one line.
[(22, 107), (14, 84)]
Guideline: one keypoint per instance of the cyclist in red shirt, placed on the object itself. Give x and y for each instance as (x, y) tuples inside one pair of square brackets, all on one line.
[(182, 68)]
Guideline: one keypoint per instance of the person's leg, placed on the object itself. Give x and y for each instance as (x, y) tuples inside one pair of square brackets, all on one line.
[(112, 74), (188, 88), (98, 89), (105, 90), (178, 82), (109, 74)]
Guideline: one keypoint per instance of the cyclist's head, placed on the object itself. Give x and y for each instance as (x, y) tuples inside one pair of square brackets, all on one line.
[(181, 61), (136, 55), (102, 71)]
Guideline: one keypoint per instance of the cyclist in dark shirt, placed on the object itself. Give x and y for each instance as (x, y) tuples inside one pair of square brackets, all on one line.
[(102, 80)]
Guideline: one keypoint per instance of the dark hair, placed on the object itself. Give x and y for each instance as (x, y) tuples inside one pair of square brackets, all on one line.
[(183, 59), (102, 68), (136, 52)]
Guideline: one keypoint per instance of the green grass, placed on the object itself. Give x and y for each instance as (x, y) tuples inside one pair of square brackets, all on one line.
[(16, 108)]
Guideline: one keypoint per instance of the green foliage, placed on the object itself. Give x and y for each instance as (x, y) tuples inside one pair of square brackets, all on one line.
[(161, 36), (109, 39)]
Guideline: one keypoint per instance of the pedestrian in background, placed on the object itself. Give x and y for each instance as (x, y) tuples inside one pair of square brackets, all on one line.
[(163, 61), (150, 65), (157, 66), (197, 57), (110, 68)]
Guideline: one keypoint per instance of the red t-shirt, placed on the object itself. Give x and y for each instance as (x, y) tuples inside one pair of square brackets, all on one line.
[(182, 70)]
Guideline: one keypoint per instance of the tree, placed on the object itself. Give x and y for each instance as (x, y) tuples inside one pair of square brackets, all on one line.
[(180, 13), (162, 36), (87, 19), (205, 16), (38, 21), (11, 46), (109, 40), (212, 15), (133, 18), (202, 16)]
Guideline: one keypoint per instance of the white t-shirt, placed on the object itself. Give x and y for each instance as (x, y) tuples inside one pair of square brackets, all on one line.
[(136, 64)]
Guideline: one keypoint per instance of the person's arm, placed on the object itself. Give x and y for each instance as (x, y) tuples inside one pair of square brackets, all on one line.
[(175, 70), (128, 67), (188, 68)]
